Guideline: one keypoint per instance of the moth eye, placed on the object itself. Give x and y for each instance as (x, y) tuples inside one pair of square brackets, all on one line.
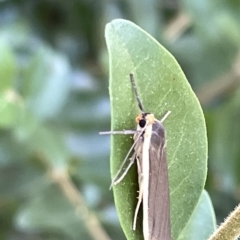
[(142, 123)]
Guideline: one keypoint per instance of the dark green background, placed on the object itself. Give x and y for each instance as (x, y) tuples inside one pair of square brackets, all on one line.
[(54, 101)]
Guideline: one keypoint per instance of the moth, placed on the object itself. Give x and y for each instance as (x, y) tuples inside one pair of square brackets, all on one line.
[(149, 152)]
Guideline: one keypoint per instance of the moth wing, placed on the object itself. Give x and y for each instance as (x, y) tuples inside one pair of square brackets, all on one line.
[(158, 198)]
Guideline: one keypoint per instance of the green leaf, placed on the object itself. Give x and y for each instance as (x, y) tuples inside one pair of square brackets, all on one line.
[(7, 65), (46, 84), (202, 222), (49, 210), (42, 138), (162, 86), (9, 110)]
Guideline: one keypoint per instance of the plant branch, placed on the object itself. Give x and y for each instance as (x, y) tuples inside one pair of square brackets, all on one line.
[(218, 87), (61, 177), (177, 27), (230, 228)]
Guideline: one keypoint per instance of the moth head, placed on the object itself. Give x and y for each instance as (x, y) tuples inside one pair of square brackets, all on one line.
[(144, 119)]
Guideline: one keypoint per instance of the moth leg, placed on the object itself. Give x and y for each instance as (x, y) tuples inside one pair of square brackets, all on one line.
[(140, 175), (136, 141), (165, 116), (126, 170), (140, 194), (125, 132)]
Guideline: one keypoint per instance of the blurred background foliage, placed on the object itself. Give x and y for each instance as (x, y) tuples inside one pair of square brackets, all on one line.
[(54, 167)]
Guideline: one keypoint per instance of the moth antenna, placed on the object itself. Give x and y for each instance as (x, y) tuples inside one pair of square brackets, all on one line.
[(136, 92)]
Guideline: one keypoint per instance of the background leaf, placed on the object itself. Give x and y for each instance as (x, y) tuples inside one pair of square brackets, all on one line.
[(7, 66), (202, 222), (162, 87), (39, 91), (40, 213)]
